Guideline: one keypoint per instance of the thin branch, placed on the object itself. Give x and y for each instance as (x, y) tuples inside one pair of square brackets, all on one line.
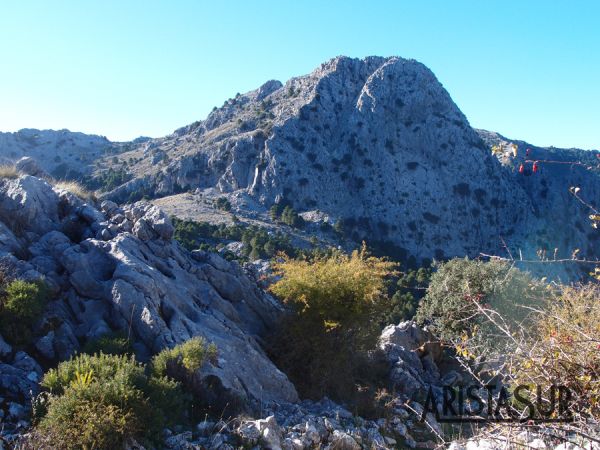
[(544, 261)]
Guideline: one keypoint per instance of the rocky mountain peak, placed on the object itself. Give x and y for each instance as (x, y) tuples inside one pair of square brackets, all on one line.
[(376, 143)]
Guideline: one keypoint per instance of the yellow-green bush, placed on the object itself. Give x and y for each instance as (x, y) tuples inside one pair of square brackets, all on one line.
[(125, 369), (336, 303), (114, 391), (190, 356), (337, 289), (99, 401)]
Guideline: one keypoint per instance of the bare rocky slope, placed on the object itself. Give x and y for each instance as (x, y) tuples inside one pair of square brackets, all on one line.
[(377, 142), (113, 268)]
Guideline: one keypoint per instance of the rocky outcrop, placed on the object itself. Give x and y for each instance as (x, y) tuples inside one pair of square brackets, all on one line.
[(414, 355), (417, 363), (30, 166), (118, 268)]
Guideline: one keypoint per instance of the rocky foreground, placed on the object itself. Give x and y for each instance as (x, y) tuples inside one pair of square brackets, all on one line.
[(113, 269)]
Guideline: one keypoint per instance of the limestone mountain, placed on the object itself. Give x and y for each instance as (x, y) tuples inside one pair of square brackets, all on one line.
[(377, 143)]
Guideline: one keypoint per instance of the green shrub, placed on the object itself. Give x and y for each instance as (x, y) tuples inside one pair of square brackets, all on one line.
[(223, 204), (291, 217), (190, 355), (21, 304), (340, 227), (123, 368), (77, 423), (258, 242), (109, 179), (181, 364), (171, 401), (98, 401), (403, 306), (405, 296), (25, 300), (460, 286), (110, 344), (275, 211)]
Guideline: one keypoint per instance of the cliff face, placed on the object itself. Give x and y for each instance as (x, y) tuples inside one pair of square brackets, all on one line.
[(377, 142), (559, 222)]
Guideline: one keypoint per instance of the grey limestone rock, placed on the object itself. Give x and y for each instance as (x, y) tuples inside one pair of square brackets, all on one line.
[(141, 281)]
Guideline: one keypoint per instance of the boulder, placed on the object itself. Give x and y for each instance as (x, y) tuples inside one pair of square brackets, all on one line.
[(29, 166), (264, 431), (29, 203), (45, 345), (5, 349), (343, 441), (409, 337)]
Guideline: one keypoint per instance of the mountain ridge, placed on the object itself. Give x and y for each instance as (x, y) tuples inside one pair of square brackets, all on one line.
[(377, 143)]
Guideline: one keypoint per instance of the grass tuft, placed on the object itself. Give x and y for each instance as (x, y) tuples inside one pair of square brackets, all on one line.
[(76, 189), (8, 171)]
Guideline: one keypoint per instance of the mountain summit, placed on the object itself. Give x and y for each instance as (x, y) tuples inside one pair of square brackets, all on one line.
[(377, 143)]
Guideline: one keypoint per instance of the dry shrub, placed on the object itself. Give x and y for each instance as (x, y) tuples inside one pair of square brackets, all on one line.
[(8, 171), (566, 351), (559, 346), (76, 189)]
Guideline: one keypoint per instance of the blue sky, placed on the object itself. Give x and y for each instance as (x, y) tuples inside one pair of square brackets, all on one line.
[(528, 69)]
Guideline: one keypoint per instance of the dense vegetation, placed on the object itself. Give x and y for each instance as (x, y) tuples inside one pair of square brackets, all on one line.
[(108, 180), (100, 401), (21, 304), (498, 320), (337, 302), (223, 204), (281, 213), (258, 242), (459, 287)]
